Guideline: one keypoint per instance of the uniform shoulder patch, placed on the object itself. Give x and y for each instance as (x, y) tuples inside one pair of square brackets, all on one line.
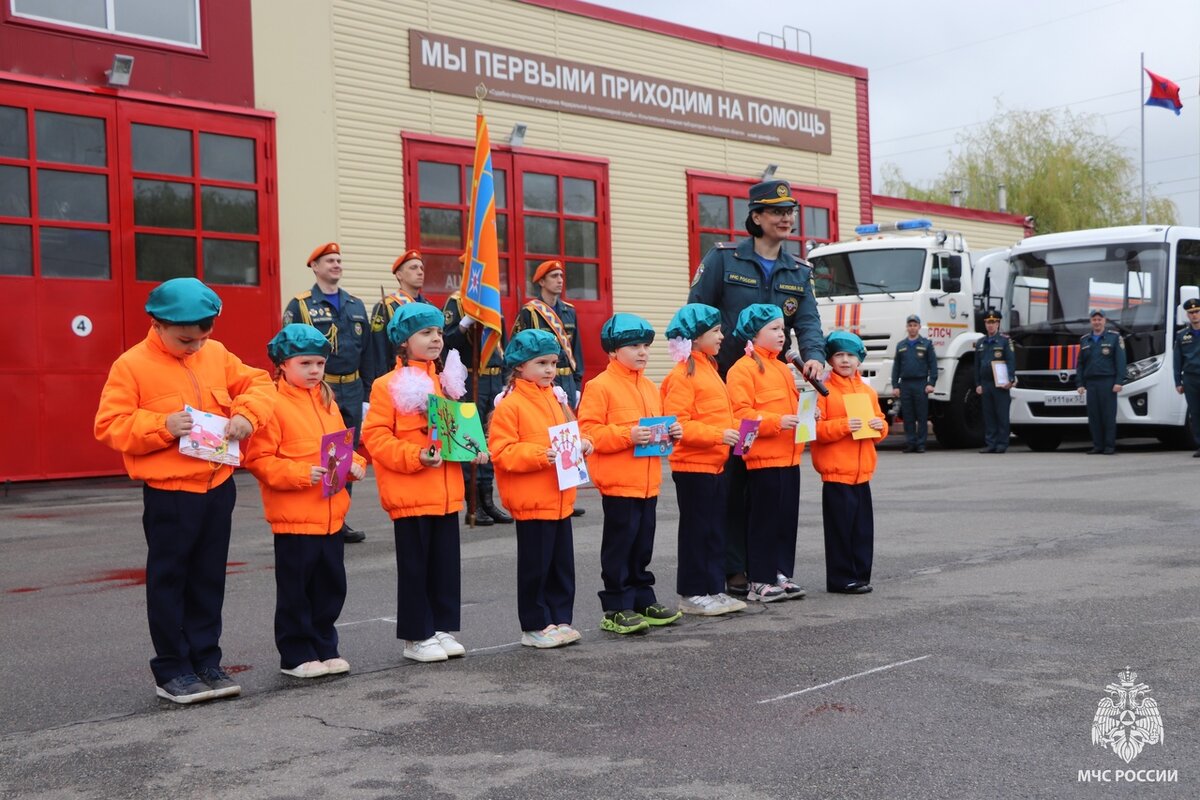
[(377, 321), (449, 315), (699, 272)]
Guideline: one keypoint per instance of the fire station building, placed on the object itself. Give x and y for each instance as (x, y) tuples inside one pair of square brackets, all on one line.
[(147, 139)]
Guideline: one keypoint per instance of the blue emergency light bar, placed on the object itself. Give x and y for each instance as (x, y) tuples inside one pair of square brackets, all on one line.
[(902, 225)]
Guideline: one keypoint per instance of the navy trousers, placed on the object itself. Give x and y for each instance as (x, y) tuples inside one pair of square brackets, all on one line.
[(545, 573), (187, 539), (626, 545), (1191, 393), (310, 589), (995, 417), (914, 407), (736, 512), (774, 499), (701, 566), (428, 575), (849, 533), (1102, 412)]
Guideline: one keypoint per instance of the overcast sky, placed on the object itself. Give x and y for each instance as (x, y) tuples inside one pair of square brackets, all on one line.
[(937, 67)]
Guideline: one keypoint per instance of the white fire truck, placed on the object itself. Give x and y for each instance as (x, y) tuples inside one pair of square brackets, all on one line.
[(871, 285), (1140, 276)]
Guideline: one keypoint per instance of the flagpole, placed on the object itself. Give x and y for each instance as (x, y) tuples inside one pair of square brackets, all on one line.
[(1142, 101)]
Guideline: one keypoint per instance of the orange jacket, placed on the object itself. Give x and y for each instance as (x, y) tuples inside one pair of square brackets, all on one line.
[(838, 457), (612, 404), (146, 384), (282, 454), (518, 439), (701, 405), (769, 395), (395, 440)]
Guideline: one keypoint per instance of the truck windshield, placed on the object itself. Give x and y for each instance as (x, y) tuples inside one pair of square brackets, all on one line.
[(865, 272), (1055, 290)]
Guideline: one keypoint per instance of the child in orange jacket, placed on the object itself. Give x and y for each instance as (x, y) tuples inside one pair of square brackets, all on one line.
[(420, 492), (695, 394), (286, 457), (189, 501), (762, 387), (846, 465), (613, 404), (519, 442)]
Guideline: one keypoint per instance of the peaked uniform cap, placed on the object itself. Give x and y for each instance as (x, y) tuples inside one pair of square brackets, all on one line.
[(693, 320), (410, 318), (622, 330), (324, 250), (182, 301), (845, 342), (529, 344), (754, 318), (771, 194), (992, 314), (297, 340), (913, 318), (1191, 303)]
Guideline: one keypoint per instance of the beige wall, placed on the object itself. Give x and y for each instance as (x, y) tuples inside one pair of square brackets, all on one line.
[(980, 235), (336, 73)]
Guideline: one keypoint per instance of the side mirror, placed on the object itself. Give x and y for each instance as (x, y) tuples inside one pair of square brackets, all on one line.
[(955, 271), (951, 285)]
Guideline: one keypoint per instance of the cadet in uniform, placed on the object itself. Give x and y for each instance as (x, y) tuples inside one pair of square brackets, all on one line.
[(342, 319), (914, 374), (458, 335), (1100, 376), (996, 399), (759, 270), (1187, 366), (548, 311), (409, 270)]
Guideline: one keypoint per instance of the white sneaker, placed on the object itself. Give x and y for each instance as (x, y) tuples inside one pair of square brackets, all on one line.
[(541, 639), (703, 605), (337, 666), (729, 604), (568, 634), (309, 669), (792, 589), (451, 645), (766, 592), (427, 650)]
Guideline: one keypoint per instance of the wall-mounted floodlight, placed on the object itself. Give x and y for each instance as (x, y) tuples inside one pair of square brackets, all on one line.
[(121, 70), (517, 137), (769, 172)]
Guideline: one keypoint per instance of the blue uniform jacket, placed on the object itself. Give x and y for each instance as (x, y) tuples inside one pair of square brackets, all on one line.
[(1103, 359), (989, 349), (1187, 355), (915, 361), (730, 278), (345, 327)]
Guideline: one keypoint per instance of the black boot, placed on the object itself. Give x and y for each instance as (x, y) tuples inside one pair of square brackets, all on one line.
[(482, 518), (489, 505)]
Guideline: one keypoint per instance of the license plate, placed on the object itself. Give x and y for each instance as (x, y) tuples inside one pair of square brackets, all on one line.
[(1072, 399)]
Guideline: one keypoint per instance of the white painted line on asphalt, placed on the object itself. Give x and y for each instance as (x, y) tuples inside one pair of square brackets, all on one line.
[(846, 678), (362, 621)]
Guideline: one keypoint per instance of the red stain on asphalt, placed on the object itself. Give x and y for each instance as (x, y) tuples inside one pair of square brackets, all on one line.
[(119, 578), (234, 669), (23, 590), (825, 708), (36, 516)]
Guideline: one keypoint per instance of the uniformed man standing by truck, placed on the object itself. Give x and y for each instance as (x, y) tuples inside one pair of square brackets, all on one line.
[(1187, 366), (1100, 376), (914, 374), (759, 270), (995, 347)]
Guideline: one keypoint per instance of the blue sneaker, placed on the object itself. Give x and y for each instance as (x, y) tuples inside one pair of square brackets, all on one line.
[(219, 681), (185, 689)]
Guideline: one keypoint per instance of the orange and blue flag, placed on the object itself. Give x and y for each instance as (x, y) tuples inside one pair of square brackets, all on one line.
[(480, 292), (1164, 93)]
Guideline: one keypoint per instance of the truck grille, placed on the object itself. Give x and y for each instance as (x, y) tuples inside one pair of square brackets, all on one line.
[(1047, 381)]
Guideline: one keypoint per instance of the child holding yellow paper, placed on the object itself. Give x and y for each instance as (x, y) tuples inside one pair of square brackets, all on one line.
[(849, 421)]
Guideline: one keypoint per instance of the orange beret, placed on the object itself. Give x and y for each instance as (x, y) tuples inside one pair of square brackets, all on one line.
[(324, 250), (408, 255), (546, 267)]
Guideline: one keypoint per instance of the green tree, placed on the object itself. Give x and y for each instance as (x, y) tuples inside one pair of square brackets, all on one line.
[(1054, 166)]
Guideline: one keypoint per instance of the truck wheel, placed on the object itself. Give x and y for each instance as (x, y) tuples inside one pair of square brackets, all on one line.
[(1040, 441), (959, 422)]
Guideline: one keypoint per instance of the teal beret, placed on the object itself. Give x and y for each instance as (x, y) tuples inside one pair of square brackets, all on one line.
[(622, 330), (529, 344), (754, 318), (692, 320), (297, 340), (182, 301), (410, 318), (845, 342)]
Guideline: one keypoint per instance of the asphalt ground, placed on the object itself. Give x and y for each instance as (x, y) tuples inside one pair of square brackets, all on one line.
[(1009, 591)]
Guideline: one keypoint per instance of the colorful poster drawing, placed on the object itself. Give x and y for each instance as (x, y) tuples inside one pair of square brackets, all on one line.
[(661, 443), (568, 455), (206, 440), (747, 433), (806, 429), (337, 454), (458, 429)]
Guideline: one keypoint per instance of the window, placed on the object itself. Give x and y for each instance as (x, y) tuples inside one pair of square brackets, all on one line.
[(717, 210), (55, 190), (170, 21)]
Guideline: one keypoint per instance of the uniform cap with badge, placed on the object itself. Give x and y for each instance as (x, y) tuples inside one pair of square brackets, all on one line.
[(182, 301), (529, 344), (754, 318), (546, 267), (913, 318), (405, 257), (409, 319), (693, 320), (992, 315), (771, 194), (623, 330), (1191, 304), (324, 250), (297, 340)]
